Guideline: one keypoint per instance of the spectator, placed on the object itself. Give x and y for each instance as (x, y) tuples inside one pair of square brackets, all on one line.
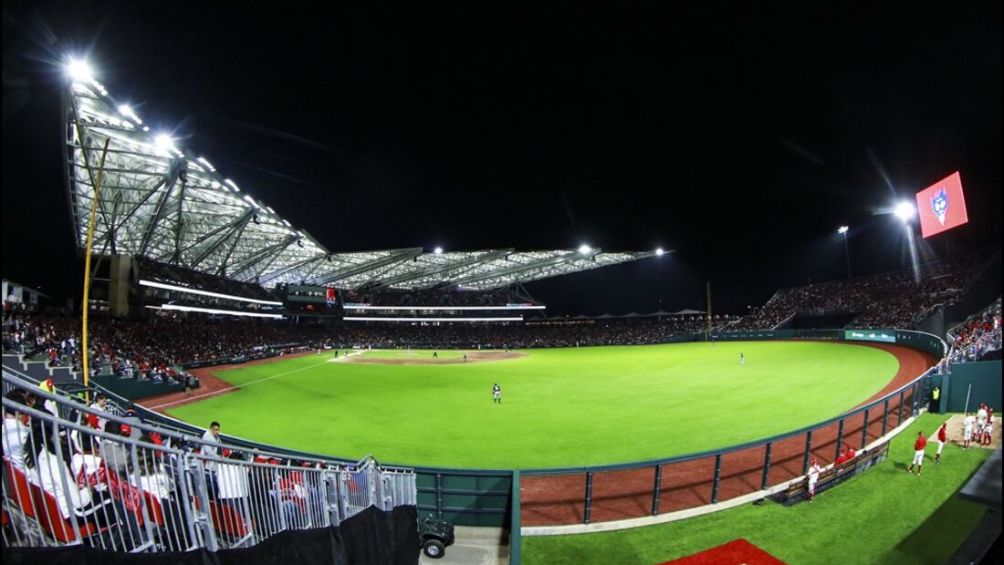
[(15, 432)]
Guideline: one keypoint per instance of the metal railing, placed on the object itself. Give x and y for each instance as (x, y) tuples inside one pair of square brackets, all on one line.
[(146, 488)]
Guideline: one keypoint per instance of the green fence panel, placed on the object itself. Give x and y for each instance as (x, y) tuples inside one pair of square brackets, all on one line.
[(985, 378)]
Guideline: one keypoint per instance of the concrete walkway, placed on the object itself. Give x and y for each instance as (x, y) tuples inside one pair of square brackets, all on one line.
[(474, 546)]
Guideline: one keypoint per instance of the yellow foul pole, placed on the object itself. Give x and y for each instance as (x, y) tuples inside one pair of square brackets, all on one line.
[(86, 367)]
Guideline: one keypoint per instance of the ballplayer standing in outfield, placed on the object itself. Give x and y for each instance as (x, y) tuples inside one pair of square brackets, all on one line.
[(918, 453), (814, 470), (942, 438), (496, 394), (967, 430)]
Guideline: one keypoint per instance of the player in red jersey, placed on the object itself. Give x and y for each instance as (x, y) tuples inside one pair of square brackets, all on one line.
[(942, 439), (918, 453)]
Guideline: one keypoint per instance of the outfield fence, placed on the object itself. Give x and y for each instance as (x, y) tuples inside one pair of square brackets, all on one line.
[(584, 495)]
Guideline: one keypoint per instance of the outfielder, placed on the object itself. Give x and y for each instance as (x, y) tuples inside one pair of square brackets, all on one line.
[(942, 439), (496, 394), (918, 453)]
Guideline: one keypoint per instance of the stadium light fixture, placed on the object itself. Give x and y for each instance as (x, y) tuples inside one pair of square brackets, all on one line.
[(905, 211), (842, 230), (164, 142), (438, 251), (189, 290), (585, 249), (660, 251), (218, 311), (436, 320), (80, 70)]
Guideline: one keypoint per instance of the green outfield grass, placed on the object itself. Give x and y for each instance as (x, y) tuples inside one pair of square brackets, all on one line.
[(561, 407), (885, 516)]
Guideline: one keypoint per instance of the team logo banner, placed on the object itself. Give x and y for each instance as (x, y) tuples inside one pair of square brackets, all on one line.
[(942, 206)]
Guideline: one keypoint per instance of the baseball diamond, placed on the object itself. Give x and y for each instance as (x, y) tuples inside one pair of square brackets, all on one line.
[(563, 407)]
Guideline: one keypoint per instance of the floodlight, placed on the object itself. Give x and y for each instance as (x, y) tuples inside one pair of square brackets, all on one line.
[(585, 249), (164, 142), (438, 251), (660, 251), (905, 211), (79, 70), (842, 230)]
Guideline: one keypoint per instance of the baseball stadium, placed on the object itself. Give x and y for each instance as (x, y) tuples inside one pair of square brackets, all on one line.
[(227, 386)]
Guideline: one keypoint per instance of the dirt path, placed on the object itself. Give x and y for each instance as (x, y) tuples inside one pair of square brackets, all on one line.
[(549, 500), (472, 357), (209, 384)]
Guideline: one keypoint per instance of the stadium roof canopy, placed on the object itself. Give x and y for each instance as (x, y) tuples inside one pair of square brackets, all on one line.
[(160, 201)]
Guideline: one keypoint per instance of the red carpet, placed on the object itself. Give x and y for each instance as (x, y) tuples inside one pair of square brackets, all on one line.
[(737, 552)]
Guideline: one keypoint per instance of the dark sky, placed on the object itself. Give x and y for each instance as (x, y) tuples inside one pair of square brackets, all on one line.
[(741, 139)]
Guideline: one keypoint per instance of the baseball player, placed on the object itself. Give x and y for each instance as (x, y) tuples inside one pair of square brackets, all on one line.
[(813, 476), (967, 430), (918, 453), (981, 420), (496, 394), (742, 359), (942, 438), (988, 432)]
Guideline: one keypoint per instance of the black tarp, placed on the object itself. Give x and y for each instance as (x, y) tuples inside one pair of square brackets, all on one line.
[(370, 537)]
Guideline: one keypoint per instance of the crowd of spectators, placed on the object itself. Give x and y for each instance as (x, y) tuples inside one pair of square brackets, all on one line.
[(885, 300), (156, 347), (432, 297), (979, 337)]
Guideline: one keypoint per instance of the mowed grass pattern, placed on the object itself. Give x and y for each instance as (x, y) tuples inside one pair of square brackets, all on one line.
[(882, 517), (561, 407)]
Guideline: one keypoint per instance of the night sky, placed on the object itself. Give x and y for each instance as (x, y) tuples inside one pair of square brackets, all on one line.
[(741, 139)]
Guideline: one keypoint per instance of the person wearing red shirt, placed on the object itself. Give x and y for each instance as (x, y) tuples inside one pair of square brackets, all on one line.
[(942, 439), (918, 453)]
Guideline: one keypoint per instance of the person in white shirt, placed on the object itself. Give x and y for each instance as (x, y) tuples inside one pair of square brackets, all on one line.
[(15, 432), (212, 435), (813, 476), (967, 430), (100, 403)]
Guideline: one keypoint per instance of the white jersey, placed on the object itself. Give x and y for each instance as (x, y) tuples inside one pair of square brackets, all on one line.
[(968, 423), (981, 416)]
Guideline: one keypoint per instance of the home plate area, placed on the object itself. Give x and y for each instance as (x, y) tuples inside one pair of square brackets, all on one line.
[(737, 552)]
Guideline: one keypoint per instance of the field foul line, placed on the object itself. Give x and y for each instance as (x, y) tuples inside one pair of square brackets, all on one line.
[(228, 389)]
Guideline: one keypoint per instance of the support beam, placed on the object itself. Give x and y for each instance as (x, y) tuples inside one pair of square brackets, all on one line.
[(158, 213)]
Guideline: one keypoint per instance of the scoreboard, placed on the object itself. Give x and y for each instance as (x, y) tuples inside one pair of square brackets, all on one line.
[(308, 299)]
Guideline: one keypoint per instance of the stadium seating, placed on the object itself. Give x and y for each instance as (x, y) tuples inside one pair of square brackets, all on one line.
[(890, 300), (978, 337)]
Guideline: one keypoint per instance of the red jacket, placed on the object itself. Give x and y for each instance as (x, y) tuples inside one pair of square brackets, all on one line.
[(920, 444), (943, 434)]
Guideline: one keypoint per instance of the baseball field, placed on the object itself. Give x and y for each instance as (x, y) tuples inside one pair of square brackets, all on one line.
[(560, 407)]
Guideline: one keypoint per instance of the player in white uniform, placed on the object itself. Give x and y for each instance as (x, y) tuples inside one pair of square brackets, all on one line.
[(967, 430), (988, 432), (742, 359), (813, 476), (981, 420), (496, 394)]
